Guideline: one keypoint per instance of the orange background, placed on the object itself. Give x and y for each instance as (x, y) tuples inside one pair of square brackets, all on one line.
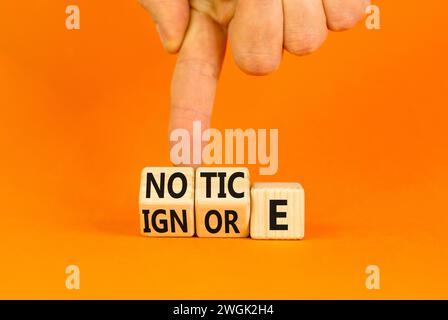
[(363, 126)]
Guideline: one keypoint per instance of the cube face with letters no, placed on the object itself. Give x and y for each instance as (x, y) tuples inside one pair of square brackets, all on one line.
[(167, 202), (222, 202), (278, 211)]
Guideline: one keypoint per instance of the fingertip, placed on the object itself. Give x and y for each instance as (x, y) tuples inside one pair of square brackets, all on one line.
[(342, 16), (258, 64), (171, 44)]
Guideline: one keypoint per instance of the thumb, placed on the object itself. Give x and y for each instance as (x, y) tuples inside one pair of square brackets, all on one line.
[(171, 19), (196, 76)]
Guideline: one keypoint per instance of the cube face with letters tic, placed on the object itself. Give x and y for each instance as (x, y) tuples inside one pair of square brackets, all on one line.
[(166, 202), (278, 211), (222, 202)]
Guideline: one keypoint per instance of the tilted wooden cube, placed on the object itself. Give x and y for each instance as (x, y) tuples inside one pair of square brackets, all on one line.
[(277, 211), (167, 202), (222, 202)]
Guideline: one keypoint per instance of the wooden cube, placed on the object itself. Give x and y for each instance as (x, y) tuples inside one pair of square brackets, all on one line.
[(222, 202), (278, 211), (167, 202)]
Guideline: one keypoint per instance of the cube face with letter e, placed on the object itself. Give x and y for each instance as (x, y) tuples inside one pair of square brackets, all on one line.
[(222, 202), (167, 202), (278, 211)]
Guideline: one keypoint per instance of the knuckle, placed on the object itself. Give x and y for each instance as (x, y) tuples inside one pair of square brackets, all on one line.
[(257, 63), (187, 114), (344, 20), (302, 43), (199, 67)]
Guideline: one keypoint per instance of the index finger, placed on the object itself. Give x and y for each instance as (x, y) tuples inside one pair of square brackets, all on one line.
[(196, 75)]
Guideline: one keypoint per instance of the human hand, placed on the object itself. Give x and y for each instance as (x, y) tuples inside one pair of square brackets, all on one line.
[(259, 30)]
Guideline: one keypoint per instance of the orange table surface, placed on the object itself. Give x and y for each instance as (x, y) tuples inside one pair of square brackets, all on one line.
[(362, 126)]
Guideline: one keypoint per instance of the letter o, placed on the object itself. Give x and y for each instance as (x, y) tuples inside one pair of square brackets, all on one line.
[(207, 221)]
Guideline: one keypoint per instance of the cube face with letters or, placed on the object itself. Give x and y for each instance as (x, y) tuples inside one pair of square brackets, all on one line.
[(277, 211), (222, 202), (166, 202)]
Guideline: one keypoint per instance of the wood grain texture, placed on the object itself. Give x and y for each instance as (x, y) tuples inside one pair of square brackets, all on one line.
[(288, 215), (229, 207), (165, 223)]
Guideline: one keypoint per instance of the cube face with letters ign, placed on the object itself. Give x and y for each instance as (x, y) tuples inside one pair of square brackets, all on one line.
[(218, 202)]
